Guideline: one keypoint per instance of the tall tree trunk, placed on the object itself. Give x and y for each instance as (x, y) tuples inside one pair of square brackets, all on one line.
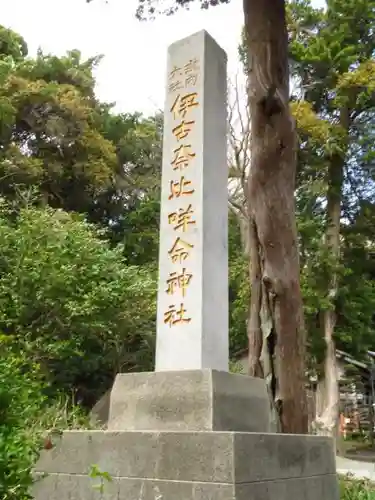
[(254, 328), (328, 397), (271, 186)]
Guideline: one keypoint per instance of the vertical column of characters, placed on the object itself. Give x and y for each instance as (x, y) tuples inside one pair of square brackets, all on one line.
[(181, 188)]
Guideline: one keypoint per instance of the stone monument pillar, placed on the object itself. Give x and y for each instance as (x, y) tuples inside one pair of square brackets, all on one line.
[(192, 322), (191, 388), (191, 430)]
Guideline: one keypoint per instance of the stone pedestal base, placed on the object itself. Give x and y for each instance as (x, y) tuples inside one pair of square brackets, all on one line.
[(188, 466), (194, 400)]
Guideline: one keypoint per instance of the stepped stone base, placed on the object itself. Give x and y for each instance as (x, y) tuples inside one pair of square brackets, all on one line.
[(193, 435), (152, 465)]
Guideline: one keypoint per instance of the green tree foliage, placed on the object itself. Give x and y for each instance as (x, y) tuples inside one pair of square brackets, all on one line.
[(331, 54), (71, 302), (25, 416), (12, 45), (49, 131), (332, 64), (332, 61), (239, 289), (74, 308), (57, 137), (130, 209), (20, 402), (150, 8)]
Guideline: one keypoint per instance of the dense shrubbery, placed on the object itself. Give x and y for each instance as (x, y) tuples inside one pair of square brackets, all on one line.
[(25, 415), (21, 399), (67, 297), (72, 314)]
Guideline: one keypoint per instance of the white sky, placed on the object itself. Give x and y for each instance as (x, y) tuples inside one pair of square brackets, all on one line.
[(133, 70)]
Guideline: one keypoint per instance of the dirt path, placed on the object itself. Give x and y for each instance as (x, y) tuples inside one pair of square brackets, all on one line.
[(358, 468)]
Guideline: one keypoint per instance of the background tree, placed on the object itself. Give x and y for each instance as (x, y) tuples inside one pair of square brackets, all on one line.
[(50, 135), (130, 208), (319, 64), (57, 137), (332, 59), (239, 156)]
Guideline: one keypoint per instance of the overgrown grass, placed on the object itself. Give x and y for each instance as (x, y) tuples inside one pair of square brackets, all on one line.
[(356, 489), (20, 445)]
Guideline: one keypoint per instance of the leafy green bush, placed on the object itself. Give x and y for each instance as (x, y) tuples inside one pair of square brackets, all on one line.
[(72, 314), (71, 302), (239, 289), (25, 416), (356, 489), (21, 398)]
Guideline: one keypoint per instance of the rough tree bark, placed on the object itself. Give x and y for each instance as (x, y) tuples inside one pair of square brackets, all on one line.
[(277, 313), (327, 401), (260, 362), (327, 408)]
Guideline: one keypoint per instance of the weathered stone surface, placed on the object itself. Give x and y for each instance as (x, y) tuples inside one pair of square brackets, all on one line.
[(189, 466), (174, 490), (100, 411), (220, 457), (194, 179), (322, 487), (78, 487), (155, 455), (192, 400), (45, 487), (263, 457), (75, 487)]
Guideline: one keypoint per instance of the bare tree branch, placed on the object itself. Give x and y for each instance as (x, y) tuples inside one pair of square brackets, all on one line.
[(239, 144)]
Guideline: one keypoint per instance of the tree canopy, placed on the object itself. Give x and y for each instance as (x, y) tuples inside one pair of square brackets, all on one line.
[(150, 8)]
